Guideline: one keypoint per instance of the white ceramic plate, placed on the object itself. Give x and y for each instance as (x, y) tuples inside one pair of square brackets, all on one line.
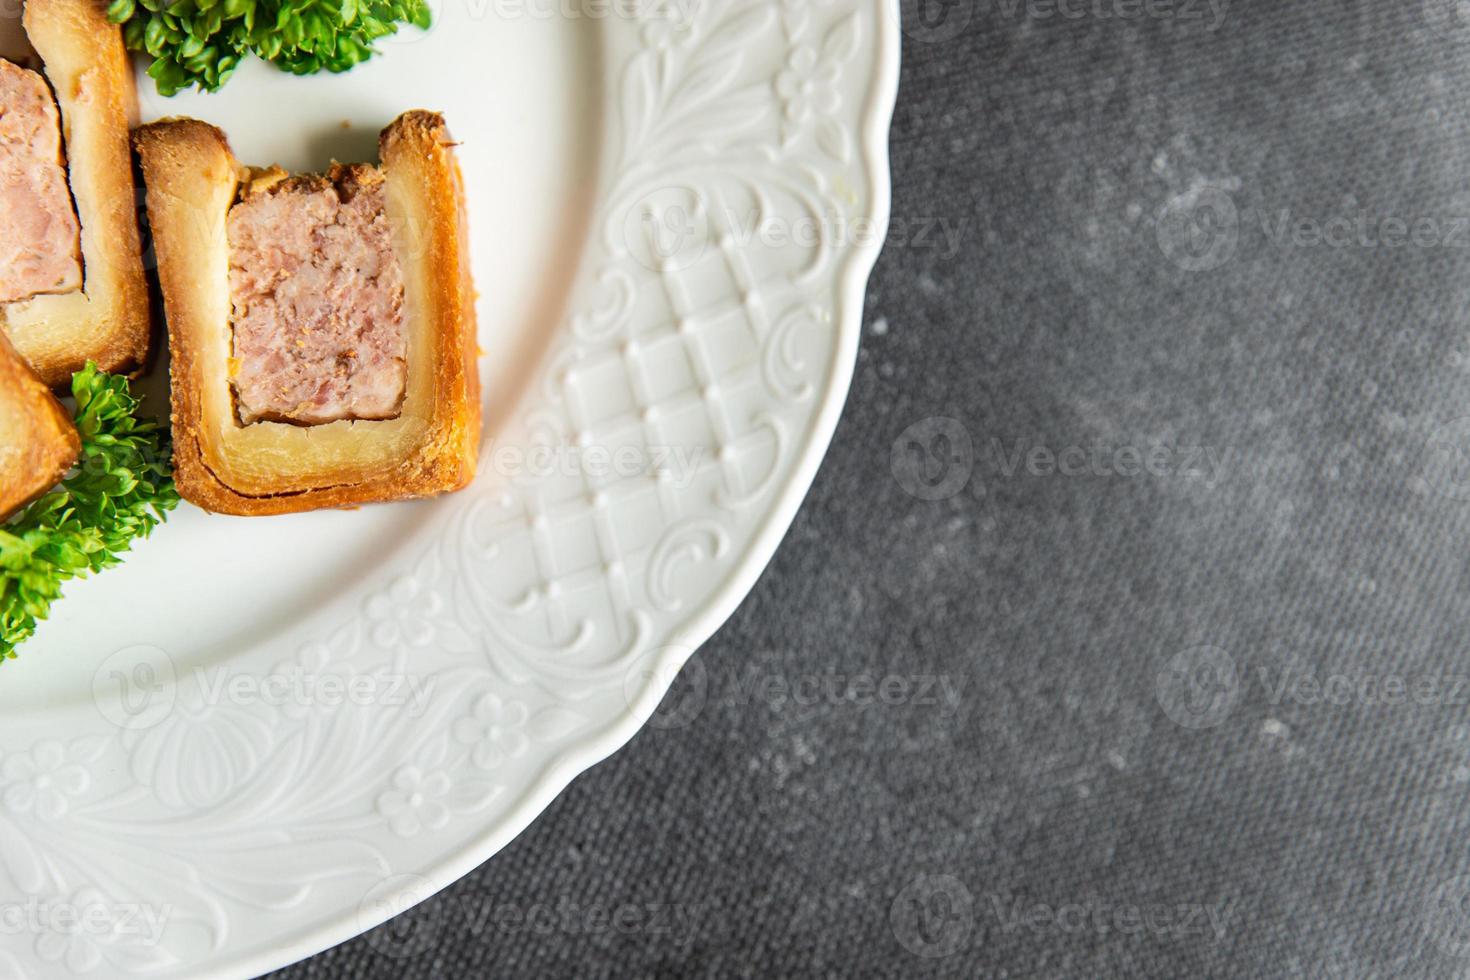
[(260, 738)]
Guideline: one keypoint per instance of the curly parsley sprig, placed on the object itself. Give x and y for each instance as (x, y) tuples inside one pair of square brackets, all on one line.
[(202, 42), (119, 491)]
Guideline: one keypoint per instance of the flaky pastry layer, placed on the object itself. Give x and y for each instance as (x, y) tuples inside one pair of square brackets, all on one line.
[(38, 442)]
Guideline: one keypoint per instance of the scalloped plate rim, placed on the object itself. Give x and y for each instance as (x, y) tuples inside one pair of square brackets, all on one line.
[(573, 762)]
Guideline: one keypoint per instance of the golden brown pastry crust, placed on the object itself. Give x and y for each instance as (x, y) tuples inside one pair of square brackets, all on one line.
[(192, 179), (38, 442), (108, 322)]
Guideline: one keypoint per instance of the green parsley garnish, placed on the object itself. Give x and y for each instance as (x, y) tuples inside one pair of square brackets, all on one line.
[(202, 42), (119, 491)]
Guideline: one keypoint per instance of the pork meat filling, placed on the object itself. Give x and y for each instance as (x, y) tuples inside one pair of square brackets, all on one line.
[(317, 291), (40, 238)]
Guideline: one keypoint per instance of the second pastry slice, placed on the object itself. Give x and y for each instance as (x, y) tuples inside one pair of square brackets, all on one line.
[(38, 443), (321, 327), (72, 286)]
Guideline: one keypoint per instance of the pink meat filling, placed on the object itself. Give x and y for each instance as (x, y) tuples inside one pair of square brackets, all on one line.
[(318, 301), (40, 238)]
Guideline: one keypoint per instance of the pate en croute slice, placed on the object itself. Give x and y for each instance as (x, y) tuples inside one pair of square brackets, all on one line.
[(321, 328), (73, 287)]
